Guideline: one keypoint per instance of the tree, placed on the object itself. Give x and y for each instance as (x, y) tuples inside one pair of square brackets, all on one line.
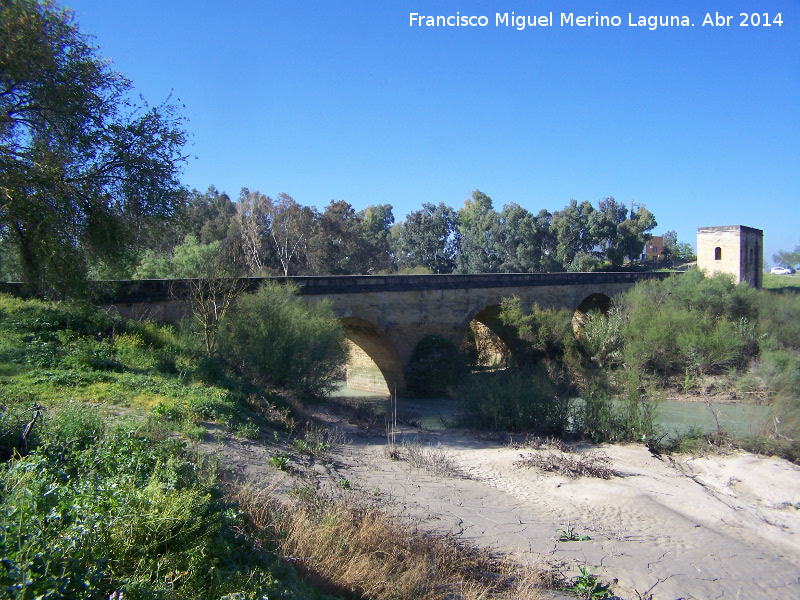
[(604, 224), (635, 232), (786, 258), (207, 215), (337, 250), (478, 227), (427, 238), (572, 229), (253, 220), (376, 224), (81, 165), (670, 244), (291, 226)]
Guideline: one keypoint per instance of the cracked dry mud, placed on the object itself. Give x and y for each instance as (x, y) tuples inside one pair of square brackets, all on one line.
[(681, 527)]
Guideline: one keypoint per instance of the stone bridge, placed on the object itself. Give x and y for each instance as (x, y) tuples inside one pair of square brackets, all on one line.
[(385, 317)]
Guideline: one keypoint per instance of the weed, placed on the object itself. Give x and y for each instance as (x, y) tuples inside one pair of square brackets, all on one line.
[(570, 535), (353, 549), (280, 461), (344, 484), (588, 586), (248, 430), (193, 431)]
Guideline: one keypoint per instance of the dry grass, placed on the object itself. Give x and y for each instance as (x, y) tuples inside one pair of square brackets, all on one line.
[(433, 459), (350, 547), (567, 464), (535, 442)]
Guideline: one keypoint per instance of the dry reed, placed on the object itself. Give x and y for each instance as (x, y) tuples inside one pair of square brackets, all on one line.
[(351, 547)]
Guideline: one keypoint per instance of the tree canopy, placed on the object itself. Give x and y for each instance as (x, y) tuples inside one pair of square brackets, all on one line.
[(83, 168)]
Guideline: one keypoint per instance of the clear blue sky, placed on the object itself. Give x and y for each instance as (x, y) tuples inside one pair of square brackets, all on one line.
[(345, 100)]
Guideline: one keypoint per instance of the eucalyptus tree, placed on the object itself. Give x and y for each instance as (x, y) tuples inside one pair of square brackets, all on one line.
[(82, 166), (573, 232), (376, 225), (604, 225), (427, 238), (524, 240), (478, 228), (337, 248)]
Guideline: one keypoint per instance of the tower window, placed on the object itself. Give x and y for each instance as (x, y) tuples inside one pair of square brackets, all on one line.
[(717, 253)]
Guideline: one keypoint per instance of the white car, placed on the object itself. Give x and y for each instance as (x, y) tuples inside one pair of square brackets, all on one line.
[(781, 270)]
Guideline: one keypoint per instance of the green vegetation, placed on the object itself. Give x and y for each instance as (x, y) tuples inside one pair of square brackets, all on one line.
[(517, 399), (780, 282), (84, 170), (604, 380), (92, 504), (95, 510), (95, 505), (587, 585), (275, 338)]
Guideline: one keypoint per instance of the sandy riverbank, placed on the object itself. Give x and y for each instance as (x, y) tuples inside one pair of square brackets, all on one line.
[(722, 526)]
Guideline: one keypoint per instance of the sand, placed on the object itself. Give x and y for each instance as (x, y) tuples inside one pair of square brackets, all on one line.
[(721, 526)]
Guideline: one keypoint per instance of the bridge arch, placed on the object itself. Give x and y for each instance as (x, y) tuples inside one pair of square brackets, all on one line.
[(373, 364), (484, 337), (592, 302)]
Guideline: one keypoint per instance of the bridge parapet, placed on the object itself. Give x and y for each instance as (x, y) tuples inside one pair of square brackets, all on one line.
[(162, 290)]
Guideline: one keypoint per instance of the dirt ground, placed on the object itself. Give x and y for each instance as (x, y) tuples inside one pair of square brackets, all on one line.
[(721, 526)]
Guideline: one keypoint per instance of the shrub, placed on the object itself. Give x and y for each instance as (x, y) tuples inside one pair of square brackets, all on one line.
[(602, 338), (780, 369), (274, 337), (602, 418), (779, 318), (687, 322), (540, 332), (515, 399)]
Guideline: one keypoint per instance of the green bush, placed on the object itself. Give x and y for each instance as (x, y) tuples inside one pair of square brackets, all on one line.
[(779, 318), (123, 512), (601, 418), (780, 369), (602, 337), (685, 322), (514, 399), (274, 337), (540, 332)]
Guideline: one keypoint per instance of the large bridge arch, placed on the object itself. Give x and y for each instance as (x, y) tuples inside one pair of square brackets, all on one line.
[(373, 363)]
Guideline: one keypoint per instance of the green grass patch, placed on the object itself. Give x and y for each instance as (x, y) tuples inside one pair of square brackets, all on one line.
[(780, 282)]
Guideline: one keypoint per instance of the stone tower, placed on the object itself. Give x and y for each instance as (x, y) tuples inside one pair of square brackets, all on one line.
[(733, 249)]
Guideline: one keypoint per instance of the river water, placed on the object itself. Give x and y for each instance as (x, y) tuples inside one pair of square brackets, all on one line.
[(673, 416)]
